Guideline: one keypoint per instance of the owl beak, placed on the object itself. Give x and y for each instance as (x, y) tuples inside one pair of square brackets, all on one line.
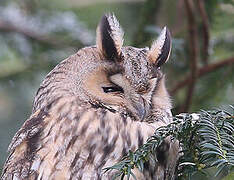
[(140, 109)]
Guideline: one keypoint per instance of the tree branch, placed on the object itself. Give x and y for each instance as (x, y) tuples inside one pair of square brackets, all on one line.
[(205, 30), (9, 27), (203, 71), (193, 48)]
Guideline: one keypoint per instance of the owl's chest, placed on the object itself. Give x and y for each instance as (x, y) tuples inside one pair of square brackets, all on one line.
[(82, 147)]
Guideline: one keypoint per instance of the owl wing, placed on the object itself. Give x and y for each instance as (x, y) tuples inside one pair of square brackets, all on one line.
[(21, 147), (70, 141)]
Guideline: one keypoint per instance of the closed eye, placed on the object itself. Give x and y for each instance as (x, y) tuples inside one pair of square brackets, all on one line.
[(111, 89)]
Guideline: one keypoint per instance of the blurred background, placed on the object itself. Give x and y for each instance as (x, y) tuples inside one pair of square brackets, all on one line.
[(35, 35)]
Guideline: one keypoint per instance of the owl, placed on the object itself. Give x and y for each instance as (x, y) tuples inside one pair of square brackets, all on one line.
[(94, 107)]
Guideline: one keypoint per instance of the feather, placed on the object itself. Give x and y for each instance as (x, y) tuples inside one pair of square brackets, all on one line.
[(110, 37), (161, 48)]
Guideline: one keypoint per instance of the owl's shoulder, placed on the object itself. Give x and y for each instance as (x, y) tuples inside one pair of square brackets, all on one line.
[(22, 145)]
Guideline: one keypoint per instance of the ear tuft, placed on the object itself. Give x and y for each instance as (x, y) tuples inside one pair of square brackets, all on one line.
[(109, 37), (160, 50)]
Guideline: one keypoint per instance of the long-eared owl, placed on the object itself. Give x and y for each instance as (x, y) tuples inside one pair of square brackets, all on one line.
[(94, 107)]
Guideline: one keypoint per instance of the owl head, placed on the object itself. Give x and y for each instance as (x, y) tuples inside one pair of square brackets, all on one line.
[(112, 74), (137, 78)]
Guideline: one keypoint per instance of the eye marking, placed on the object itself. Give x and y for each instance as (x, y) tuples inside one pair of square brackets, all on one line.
[(111, 89)]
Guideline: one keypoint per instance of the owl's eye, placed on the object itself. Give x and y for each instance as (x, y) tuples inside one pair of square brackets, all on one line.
[(112, 89)]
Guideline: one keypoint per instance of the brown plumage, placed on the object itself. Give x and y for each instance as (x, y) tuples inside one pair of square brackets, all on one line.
[(93, 108)]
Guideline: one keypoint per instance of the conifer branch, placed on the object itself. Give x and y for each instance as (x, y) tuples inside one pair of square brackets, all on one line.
[(209, 143)]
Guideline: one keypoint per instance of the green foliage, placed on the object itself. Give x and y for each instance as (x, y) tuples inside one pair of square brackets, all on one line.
[(206, 140)]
